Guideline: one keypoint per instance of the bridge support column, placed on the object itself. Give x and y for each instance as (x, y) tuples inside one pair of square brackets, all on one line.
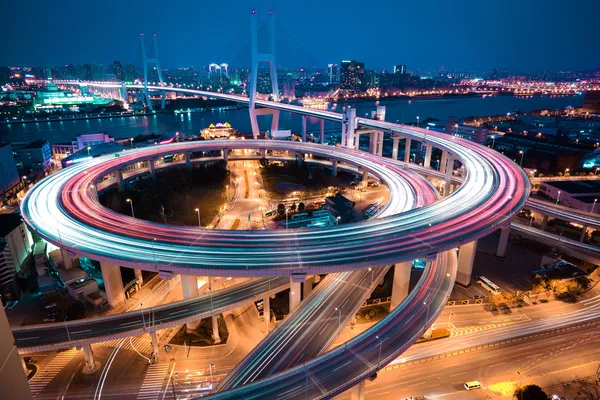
[(545, 222), (357, 141), (188, 161), (295, 292), (348, 128), (503, 242), (90, 363), (163, 98), (226, 157), (154, 339), (304, 128), (443, 161), (120, 181), (358, 392), (401, 283), (300, 158), (395, 141), (263, 153), (334, 167), (308, 287), (267, 313), (428, 151), (322, 126), (449, 175), (215, 329), (189, 286), (152, 169), (365, 177), (466, 256), (583, 234), (407, 145), (113, 283), (379, 143)]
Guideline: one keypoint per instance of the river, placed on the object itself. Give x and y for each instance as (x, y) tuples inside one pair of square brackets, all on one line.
[(400, 110)]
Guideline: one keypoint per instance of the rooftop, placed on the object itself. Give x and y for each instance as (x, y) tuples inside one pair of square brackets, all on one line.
[(576, 187), (8, 223)]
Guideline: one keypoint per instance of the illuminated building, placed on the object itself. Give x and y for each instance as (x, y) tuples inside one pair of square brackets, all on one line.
[(333, 72), (218, 131), (352, 75), (15, 246), (36, 156), (400, 69), (81, 142)]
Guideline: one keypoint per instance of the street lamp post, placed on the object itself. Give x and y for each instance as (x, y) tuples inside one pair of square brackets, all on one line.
[(522, 154), (493, 140), (339, 310), (173, 385), (210, 367), (379, 356), (131, 204), (566, 171), (88, 149), (558, 197), (337, 220), (199, 223), (371, 269), (418, 121), (286, 218), (594, 205)]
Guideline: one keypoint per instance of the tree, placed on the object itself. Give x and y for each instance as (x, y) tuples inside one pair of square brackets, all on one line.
[(530, 392), (293, 207), (301, 206), (280, 209)]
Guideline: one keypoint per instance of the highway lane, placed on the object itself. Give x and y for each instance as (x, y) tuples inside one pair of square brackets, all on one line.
[(544, 360), (310, 329), (67, 334), (347, 365)]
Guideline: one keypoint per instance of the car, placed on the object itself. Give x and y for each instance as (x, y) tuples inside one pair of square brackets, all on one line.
[(373, 184), (50, 305), (28, 360), (168, 348), (472, 385)]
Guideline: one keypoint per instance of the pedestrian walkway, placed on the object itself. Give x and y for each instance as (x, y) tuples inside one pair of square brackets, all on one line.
[(473, 329), (139, 344), (50, 371), (155, 379)]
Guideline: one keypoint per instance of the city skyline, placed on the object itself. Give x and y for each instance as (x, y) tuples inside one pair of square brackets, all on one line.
[(516, 37)]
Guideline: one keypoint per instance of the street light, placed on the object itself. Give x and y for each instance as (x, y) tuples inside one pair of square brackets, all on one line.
[(493, 140), (131, 204), (522, 154), (418, 121), (594, 205), (210, 367), (173, 384), (379, 356), (558, 197), (566, 171), (339, 316), (88, 149), (199, 223)]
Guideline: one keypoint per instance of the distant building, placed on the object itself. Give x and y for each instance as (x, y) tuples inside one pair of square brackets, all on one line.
[(33, 156), (15, 247), (340, 207), (117, 69), (333, 72), (9, 176), (81, 142), (400, 69), (95, 151), (352, 76), (473, 133)]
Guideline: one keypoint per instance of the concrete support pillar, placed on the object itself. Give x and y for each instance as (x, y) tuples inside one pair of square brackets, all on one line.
[(267, 313), (545, 222), (322, 126), (503, 242), (263, 153), (113, 283), (308, 287), (372, 142), (583, 234), (334, 167), (466, 256), (401, 283), (154, 339), (139, 276), (358, 392), (443, 161), (120, 181), (188, 161), (380, 143), (428, 151), (215, 329), (365, 177), (152, 169), (295, 293), (395, 141), (357, 141), (90, 363), (304, 128), (300, 158), (226, 157), (348, 128), (407, 150), (189, 286), (274, 121), (449, 175)]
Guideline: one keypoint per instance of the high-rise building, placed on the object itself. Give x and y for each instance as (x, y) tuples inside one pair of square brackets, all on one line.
[(352, 75), (9, 176), (117, 69), (400, 69)]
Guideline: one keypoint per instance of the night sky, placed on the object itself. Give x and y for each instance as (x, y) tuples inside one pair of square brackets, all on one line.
[(476, 35)]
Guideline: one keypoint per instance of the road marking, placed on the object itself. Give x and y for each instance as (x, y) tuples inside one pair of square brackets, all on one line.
[(416, 384), (44, 376), (458, 373), (178, 312), (495, 365), (84, 331), (153, 382), (342, 366)]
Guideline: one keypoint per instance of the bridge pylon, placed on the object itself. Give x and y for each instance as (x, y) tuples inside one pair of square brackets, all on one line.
[(152, 61), (257, 57)]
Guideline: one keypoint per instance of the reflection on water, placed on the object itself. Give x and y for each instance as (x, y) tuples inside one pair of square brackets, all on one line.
[(397, 110)]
